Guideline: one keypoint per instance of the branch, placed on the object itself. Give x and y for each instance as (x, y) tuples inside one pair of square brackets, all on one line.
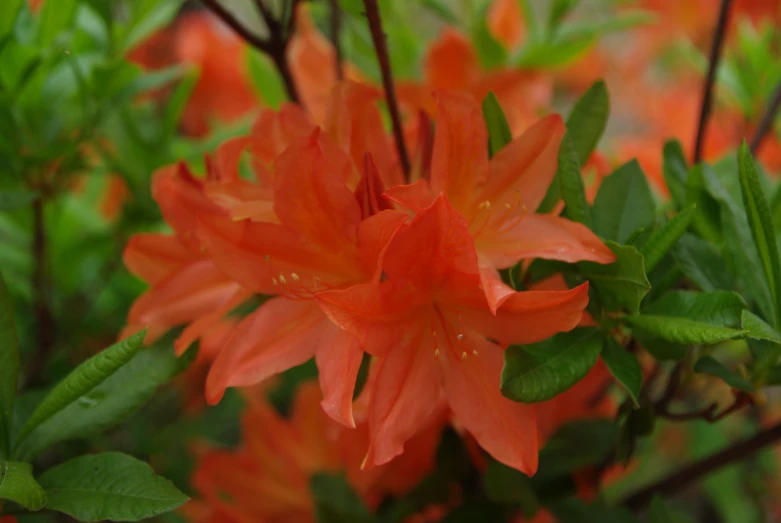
[(275, 46), (684, 477), (767, 120), (381, 48), (713, 65), (40, 283), (336, 27)]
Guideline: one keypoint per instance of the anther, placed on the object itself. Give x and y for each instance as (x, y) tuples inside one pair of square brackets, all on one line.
[(459, 337), (463, 355), (436, 353), (274, 281), (294, 276), (282, 279), (474, 353)]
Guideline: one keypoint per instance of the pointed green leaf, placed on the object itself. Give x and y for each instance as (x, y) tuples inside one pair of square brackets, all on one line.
[(757, 328), (18, 485), (588, 120), (572, 189), (623, 204), (110, 402), (720, 308), (538, 372), (577, 445), (499, 133), (666, 237), (84, 379), (658, 512), (109, 486), (710, 365), (9, 10), (9, 367), (265, 79), (761, 224), (336, 501), (54, 19), (504, 484), (624, 367), (707, 218), (622, 284), (675, 169), (683, 330), (558, 10), (702, 263)]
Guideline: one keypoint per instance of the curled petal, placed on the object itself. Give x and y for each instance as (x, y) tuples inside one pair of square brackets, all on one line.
[(338, 358), (496, 292), (374, 236)]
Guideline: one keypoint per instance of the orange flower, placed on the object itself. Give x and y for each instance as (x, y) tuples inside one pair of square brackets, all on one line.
[(327, 237), (505, 23), (268, 479), (430, 325), (451, 63), (498, 197)]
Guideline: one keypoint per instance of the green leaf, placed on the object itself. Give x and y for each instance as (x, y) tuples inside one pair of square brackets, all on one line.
[(177, 102), (499, 133), (9, 367), (9, 10), (624, 367), (109, 486), (265, 79), (336, 501), (757, 329), (657, 511), (572, 189), (666, 237), (702, 264), (54, 19), (504, 484), (12, 200), (623, 283), (588, 120), (720, 308), (710, 365), (683, 330), (623, 204), (558, 10), (675, 170), (83, 380), (110, 402), (761, 224), (18, 485), (707, 217), (577, 445), (539, 372), (573, 510)]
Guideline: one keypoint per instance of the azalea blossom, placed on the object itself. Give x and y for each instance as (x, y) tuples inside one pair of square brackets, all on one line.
[(430, 325)]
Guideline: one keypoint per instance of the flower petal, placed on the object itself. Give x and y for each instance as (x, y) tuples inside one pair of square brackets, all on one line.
[(496, 292), (243, 200), (374, 235), (542, 236), (504, 428), (338, 357), (460, 158), (406, 392), (153, 257), (451, 63), (204, 324), (414, 197), (279, 335)]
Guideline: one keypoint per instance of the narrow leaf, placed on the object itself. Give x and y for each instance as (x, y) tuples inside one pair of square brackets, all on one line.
[(12, 200), (538, 372), (336, 501), (265, 79), (675, 169), (683, 330), (624, 367), (623, 204), (18, 485), (658, 512), (720, 308), (572, 189), (499, 133), (9, 367), (666, 237), (757, 329), (504, 484), (710, 365), (82, 380), (702, 263), (761, 224), (577, 445), (109, 486), (623, 284), (588, 120)]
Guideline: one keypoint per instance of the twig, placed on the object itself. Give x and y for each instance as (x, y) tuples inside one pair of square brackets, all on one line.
[(767, 120), (40, 281), (275, 45), (713, 65), (709, 413), (679, 480), (336, 28), (381, 49)]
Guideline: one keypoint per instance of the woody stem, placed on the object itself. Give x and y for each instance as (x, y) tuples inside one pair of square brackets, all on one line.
[(40, 281), (710, 79), (381, 49)]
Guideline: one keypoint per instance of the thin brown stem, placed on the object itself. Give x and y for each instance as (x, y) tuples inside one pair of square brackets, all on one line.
[(684, 477), (381, 49), (710, 79), (275, 45), (336, 30), (41, 290), (767, 120)]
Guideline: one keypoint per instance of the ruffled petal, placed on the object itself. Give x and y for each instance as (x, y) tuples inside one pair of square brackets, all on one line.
[(374, 235), (279, 335), (496, 292), (542, 236), (460, 159), (153, 257), (207, 322), (414, 197), (338, 359), (504, 428), (407, 390), (243, 200)]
